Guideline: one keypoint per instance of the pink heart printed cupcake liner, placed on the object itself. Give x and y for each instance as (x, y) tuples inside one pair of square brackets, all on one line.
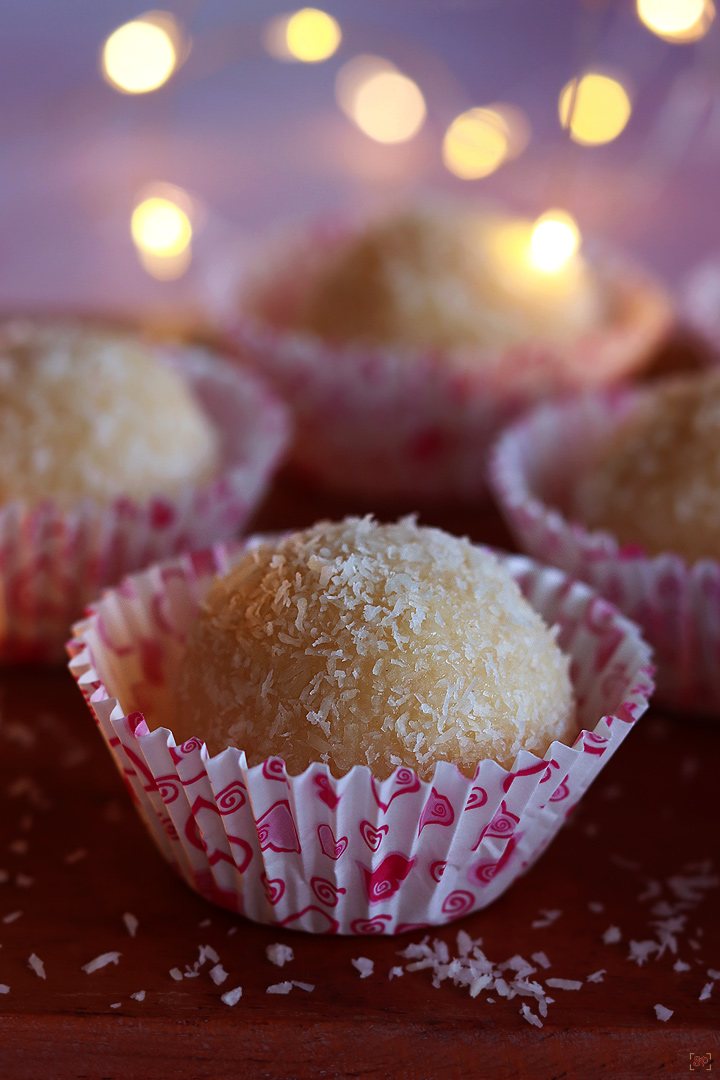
[(533, 471), (353, 855), (54, 560), (397, 423)]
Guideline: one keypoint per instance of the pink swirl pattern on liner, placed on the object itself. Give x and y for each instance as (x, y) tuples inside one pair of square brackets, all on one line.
[(378, 924), (286, 856), (232, 797), (458, 903), (437, 811), (274, 769), (326, 892), (478, 798), (373, 837)]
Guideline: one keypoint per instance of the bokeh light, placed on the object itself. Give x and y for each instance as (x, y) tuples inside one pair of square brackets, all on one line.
[(161, 227), (141, 55), (385, 104), (596, 109), (308, 35), (475, 144), (353, 74), (555, 239), (678, 21), (480, 140), (312, 35)]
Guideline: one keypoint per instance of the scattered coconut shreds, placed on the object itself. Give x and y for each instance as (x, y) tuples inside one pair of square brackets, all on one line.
[(364, 966), (131, 923), (530, 1016), (231, 931), (564, 984), (680, 965), (176, 974), (641, 950), (116, 1005), (396, 972), (206, 952), (12, 917), (138, 996), (205, 922), (596, 907), (611, 935), (541, 959), (101, 961), (280, 988), (4, 988), (597, 976), (35, 964), (24, 881), (548, 918), (706, 991), (75, 856), (307, 987), (279, 954), (232, 996), (662, 1013), (4, 876), (653, 890), (713, 974), (19, 847), (218, 974)]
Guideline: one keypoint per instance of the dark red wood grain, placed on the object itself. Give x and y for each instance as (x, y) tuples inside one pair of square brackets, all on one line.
[(653, 811)]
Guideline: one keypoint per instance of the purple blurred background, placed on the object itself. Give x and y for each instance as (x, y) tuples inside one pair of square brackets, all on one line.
[(261, 142)]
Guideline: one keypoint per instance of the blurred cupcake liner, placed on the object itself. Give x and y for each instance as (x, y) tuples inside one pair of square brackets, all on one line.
[(393, 422), (353, 855), (533, 471), (54, 560)]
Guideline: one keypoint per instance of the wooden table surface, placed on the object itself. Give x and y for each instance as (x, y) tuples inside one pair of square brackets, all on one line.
[(75, 859)]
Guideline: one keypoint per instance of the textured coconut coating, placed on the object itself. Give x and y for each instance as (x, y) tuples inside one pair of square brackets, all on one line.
[(355, 643), (656, 482), (89, 414), (434, 278)]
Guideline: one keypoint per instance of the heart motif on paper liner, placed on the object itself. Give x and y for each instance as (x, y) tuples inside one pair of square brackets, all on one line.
[(385, 880), (276, 829), (328, 844), (437, 811), (403, 781), (373, 837)]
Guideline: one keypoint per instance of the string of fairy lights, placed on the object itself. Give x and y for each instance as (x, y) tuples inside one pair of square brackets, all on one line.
[(388, 107)]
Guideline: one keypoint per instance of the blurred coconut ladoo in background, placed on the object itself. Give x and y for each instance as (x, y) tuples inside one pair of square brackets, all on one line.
[(115, 450), (404, 344)]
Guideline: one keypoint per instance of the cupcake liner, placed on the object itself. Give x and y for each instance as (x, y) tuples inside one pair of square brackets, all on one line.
[(395, 422), (354, 855), (54, 560), (532, 472)]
